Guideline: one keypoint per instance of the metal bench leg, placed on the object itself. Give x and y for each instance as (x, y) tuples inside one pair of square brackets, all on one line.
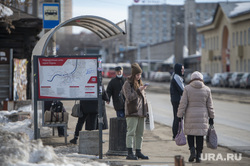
[(53, 131), (65, 133)]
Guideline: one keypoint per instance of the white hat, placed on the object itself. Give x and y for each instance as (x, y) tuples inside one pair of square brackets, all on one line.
[(196, 75)]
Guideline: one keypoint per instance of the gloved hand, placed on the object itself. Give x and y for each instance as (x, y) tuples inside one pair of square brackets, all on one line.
[(179, 119), (211, 121)]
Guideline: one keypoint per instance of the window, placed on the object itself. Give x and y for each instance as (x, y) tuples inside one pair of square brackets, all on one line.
[(214, 43), (217, 42), (237, 65), (245, 38), (240, 38), (236, 38), (233, 40), (245, 65), (248, 36), (241, 65)]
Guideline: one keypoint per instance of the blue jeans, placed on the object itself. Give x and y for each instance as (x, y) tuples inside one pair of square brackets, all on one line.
[(120, 113)]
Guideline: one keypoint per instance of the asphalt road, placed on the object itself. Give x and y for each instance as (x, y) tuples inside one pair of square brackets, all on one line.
[(231, 107)]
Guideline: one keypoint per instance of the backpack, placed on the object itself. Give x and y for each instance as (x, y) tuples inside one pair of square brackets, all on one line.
[(56, 106)]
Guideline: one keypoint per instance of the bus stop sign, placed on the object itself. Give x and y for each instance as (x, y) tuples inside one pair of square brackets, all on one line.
[(51, 15)]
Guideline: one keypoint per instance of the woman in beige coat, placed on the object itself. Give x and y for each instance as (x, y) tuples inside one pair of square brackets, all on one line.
[(135, 112), (196, 106)]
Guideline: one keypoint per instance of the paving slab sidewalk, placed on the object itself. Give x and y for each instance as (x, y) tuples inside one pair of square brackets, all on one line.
[(157, 144)]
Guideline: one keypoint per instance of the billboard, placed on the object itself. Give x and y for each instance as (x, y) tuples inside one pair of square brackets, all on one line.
[(67, 77)]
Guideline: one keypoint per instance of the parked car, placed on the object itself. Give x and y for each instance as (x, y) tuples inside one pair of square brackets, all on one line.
[(245, 81), (224, 79), (215, 81), (206, 78), (234, 81), (187, 78), (162, 76)]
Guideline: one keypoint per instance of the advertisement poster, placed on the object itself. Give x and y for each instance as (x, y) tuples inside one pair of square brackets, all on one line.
[(63, 77)]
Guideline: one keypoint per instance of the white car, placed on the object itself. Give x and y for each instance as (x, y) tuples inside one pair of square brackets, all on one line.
[(215, 81)]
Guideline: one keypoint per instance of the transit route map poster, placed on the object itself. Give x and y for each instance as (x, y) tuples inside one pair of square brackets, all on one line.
[(67, 77)]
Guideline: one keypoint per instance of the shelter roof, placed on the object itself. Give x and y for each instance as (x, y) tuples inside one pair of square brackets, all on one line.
[(100, 26)]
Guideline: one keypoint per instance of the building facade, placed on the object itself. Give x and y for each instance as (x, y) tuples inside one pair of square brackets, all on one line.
[(226, 39), (153, 23), (156, 23)]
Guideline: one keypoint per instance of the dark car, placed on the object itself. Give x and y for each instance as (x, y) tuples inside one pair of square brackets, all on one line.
[(206, 78), (245, 81), (224, 81), (234, 81)]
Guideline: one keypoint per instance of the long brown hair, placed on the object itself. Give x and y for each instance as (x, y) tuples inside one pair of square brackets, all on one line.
[(136, 83)]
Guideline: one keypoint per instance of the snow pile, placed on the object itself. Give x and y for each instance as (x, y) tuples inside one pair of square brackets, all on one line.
[(241, 8), (18, 148), (5, 11)]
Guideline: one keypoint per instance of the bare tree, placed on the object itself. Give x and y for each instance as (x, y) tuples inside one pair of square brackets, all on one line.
[(6, 12)]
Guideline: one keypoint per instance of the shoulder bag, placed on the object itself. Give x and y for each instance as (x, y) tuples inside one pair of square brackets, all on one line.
[(76, 112)]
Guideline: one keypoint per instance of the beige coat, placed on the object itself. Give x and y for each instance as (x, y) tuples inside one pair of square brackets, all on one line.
[(130, 95), (196, 106)]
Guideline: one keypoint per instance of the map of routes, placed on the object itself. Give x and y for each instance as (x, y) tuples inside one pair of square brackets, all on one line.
[(67, 77)]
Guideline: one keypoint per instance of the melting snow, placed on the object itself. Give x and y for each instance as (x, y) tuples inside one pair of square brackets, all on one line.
[(18, 148)]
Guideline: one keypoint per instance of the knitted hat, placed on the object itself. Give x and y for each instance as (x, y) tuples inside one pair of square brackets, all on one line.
[(196, 75), (136, 69)]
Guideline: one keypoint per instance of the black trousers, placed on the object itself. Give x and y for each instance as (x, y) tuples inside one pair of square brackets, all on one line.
[(90, 123), (199, 142), (175, 125)]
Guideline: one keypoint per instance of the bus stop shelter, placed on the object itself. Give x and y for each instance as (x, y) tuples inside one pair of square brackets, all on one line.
[(102, 27)]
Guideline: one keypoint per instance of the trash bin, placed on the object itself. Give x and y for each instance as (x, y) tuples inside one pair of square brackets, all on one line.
[(117, 137)]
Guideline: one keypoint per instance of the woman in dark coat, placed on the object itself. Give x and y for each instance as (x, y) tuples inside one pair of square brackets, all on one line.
[(90, 115)]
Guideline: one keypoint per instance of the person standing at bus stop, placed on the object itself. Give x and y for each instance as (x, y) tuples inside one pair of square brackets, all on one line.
[(135, 111), (113, 90), (176, 90)]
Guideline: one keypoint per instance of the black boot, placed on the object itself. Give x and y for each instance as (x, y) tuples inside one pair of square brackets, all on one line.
[(74, 140), (131, 155), (192, 154), (198, 156), (140, 155)]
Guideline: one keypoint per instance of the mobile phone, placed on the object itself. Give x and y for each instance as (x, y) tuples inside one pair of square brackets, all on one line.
[(146, 84)]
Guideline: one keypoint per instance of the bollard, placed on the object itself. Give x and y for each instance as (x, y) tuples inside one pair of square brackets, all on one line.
[(179, 160), (117, 137), (89, 142)]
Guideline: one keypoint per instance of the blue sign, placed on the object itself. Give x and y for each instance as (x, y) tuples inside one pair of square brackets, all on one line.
[(51, 15)]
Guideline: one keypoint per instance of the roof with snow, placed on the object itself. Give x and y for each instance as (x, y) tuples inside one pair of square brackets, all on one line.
[(230, 9)]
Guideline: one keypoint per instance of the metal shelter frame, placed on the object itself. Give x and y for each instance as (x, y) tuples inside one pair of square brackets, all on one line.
[(101, 27)]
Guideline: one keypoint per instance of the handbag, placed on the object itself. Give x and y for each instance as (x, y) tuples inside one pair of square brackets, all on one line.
[(180, 138), (149, 120), (76, 112), (211, 138)]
